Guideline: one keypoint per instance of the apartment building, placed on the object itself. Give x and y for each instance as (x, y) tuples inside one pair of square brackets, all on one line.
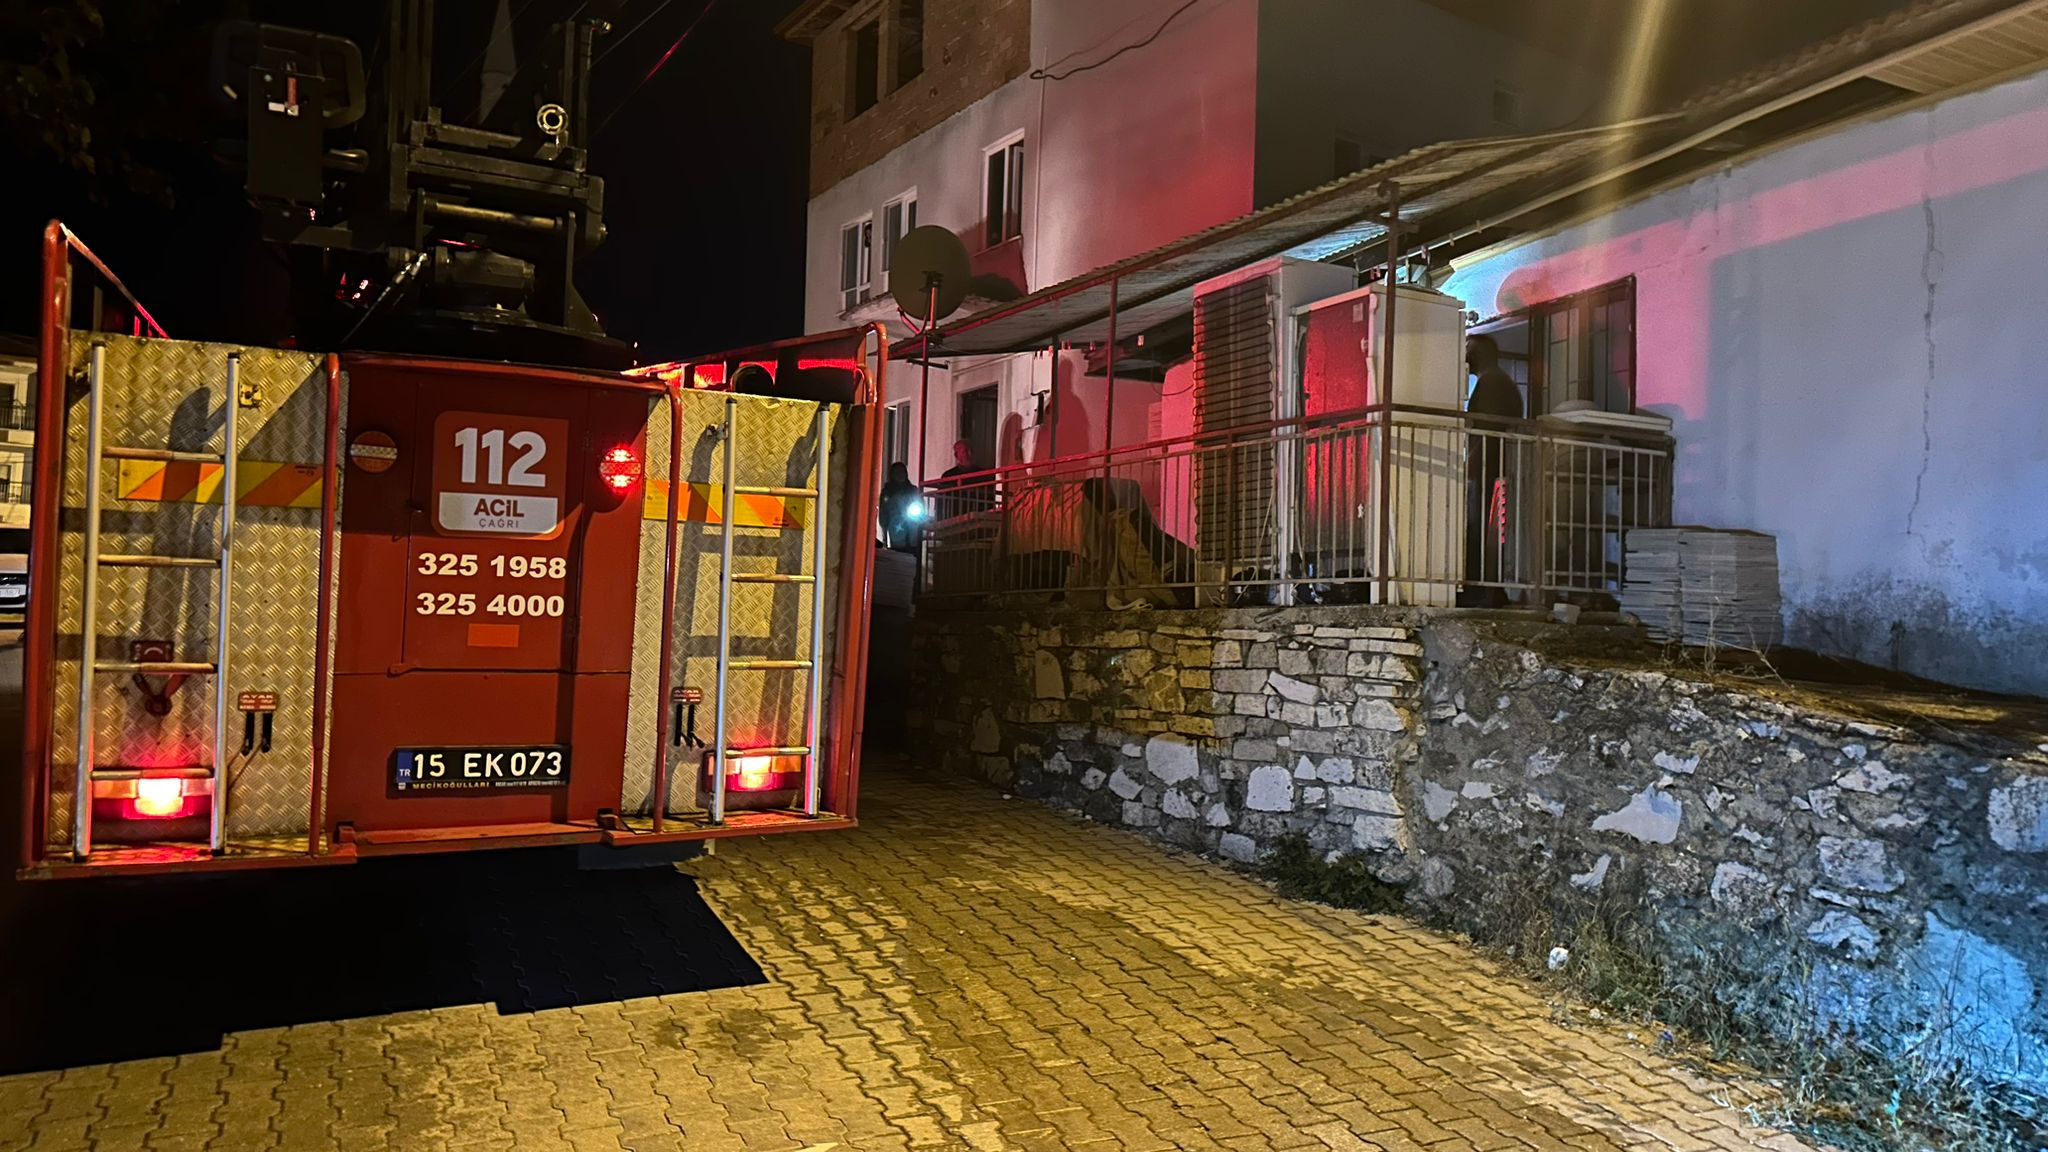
[(1057, 136)]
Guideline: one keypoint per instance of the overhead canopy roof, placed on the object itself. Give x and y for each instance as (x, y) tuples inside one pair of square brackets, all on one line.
[(1451, 189), (1157, 286)]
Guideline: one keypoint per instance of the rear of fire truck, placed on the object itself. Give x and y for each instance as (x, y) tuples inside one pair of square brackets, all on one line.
[(467, 580)]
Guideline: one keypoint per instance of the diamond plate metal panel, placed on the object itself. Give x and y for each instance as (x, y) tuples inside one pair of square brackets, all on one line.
[(170, 394), (770, 621), (643, 705)]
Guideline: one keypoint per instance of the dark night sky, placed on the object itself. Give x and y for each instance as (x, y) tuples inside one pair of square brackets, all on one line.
[(704, 168), (706, 185), (705, 164)]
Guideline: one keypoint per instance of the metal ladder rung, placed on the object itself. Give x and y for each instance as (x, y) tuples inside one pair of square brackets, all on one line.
[(730, 490), (121, 561), (160, 455), (92, 560), (157, 667), (152, 774)]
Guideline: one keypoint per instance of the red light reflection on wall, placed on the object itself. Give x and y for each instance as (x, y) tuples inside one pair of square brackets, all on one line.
[(1673, 262)]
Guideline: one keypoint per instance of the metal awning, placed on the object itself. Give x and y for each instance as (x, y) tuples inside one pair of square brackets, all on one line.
[(1158, 286)]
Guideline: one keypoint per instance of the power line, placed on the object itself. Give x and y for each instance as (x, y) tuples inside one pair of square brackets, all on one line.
[(658, 65), (1042, 74), (619, 41)]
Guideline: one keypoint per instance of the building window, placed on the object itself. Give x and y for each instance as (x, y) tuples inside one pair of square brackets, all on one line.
[(896, 434), (884, 52), (899, 216), (1507, 106), (1580, 350), (909, 41), (1588, 343), (856, 241), (1003, 193), (863, 68)]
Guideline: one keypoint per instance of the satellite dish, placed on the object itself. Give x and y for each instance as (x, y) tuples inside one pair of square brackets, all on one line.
[(928, 255)]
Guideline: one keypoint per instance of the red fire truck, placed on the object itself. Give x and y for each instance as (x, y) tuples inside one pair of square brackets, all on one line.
[(293, 608)]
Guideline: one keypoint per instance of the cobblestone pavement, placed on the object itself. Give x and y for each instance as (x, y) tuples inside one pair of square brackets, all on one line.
[(961, 973)]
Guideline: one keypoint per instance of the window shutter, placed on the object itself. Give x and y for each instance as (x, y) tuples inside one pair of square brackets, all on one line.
[(867, 248), (993, 209), (892, 228), (1013, 210)]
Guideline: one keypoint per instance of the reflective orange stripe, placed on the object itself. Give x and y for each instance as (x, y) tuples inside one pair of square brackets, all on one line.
[(261, 483), (266, 484), (704, 503)]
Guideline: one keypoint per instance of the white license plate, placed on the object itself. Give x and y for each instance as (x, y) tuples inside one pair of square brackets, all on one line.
[(514, 768)]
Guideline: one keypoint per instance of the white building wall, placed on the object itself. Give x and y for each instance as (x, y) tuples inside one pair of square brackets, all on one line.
[(943, 166), (1017, 379), (1845, 332), (17, 444), (1098, 187), (1163, 141), (1149, 147)]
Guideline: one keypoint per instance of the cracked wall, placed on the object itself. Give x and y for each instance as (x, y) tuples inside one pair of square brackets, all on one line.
[(1843, 332)]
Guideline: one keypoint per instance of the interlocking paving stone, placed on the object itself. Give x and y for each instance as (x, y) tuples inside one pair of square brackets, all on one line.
[(961, 973)]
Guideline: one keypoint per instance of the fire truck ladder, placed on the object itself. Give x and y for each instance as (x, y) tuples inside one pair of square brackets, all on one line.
[(727, 578), (90, 666)]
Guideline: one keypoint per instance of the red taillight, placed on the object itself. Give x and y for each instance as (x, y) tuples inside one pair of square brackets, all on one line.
[(158, 797), (619, 469), (758, 773), (172, 794)]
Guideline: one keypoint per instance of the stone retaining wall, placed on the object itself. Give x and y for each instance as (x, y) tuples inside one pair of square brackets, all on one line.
[(1218, 731), (1888, 881)]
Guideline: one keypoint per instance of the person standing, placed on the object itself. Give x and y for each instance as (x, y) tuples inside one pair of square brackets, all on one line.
[(1488, 463), (963, 460), (964, 497), (902, 510)]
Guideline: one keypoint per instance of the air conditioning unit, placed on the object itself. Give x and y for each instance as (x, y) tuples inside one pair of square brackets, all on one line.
[(1243, 344), (1336, 531)]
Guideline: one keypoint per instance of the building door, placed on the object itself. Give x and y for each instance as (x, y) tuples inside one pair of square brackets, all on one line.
[(978, 425)]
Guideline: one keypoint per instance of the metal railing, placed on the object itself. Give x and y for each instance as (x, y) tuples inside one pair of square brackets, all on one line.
[(1292, 512)]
